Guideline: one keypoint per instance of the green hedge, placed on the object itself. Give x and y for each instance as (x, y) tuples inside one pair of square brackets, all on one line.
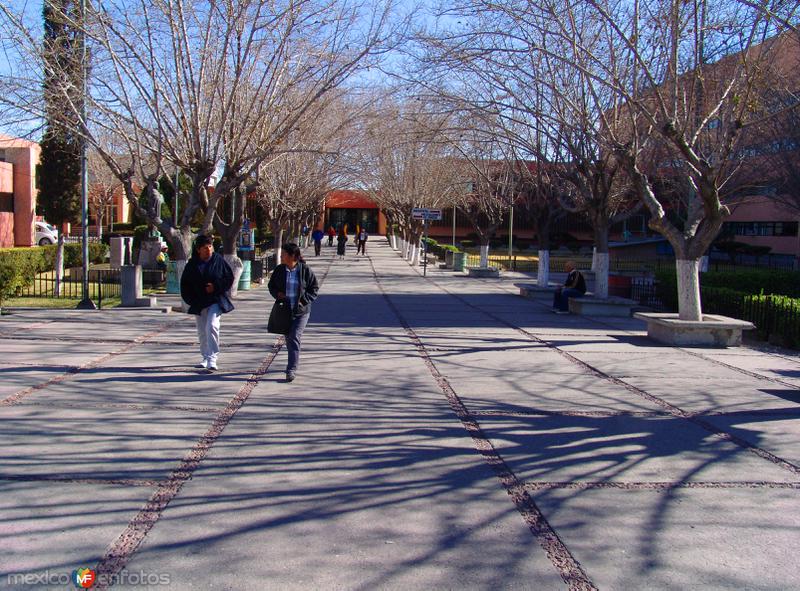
[(749, 282), (776, 316), (19, 266), (755, 281)]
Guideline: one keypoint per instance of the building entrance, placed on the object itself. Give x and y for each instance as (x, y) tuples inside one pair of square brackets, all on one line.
[(366, 218)]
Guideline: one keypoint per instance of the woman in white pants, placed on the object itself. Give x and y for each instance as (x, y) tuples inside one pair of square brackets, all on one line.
[(204, 286)]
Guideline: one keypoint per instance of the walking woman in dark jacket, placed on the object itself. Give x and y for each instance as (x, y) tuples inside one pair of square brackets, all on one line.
[(204, 286), (294, 281)]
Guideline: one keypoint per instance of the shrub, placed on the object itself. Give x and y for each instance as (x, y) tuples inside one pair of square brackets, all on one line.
[(756, 281), (777, 318), (18, 267)]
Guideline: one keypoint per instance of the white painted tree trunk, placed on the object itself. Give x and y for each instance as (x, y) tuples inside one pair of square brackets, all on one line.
[(414, 259), (594, 258), (601, 275), (180, 265), (689, 307), (235, 263), (484, 256), (543, 274), (393, 241), (278, 247), (59, 269)]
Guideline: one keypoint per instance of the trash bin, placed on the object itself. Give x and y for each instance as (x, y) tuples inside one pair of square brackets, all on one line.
[(173, 286), (459, 261), (257, 271), (244, 279), (619, 285), (448, 259)]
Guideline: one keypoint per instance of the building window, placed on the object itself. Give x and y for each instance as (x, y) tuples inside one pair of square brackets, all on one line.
[(7, 202), (783, 229)]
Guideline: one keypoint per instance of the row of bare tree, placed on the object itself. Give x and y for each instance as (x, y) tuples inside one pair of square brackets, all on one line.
[(549, 106)]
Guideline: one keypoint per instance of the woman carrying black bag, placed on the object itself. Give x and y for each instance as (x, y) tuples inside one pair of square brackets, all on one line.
[(294, 286)]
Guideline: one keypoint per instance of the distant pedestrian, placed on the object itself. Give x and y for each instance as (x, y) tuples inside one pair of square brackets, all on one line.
[(317, 236), (331, 235), (341, 241), (294, 281), (574, 287), (362, 242), (204, 286), (162, 259)]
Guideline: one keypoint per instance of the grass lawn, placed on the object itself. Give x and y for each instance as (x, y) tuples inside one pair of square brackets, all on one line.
[(54, 303)]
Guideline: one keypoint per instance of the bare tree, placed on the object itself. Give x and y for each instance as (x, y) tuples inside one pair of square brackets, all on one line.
[(212, 89), (406, 164), (546, 107), (104, 188), (690, 75)]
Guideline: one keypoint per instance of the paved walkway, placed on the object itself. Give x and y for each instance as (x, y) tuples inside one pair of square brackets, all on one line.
[(443, 433)]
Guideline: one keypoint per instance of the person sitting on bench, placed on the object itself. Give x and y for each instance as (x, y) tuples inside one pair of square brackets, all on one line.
[(574, 287)]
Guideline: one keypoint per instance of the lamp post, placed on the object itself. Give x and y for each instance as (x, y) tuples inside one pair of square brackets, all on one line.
[(86, 303)]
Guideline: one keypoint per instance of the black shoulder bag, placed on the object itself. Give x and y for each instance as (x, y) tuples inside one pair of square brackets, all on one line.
[(280, 319)]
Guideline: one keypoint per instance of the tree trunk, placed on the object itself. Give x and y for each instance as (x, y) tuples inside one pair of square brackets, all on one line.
[(689, 306), (277, 233), (543, 272), (59, 266), (601, 275), (236, 265), (484, 254), (413, 256), (601, 259), (180, 265)]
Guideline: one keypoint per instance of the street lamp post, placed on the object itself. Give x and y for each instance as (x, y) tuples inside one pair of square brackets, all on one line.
[(86, 303)]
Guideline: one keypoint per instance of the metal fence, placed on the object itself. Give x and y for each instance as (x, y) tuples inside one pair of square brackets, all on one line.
[(104, 284)]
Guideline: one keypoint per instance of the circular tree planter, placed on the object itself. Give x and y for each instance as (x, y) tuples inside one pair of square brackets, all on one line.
[(712, 331)]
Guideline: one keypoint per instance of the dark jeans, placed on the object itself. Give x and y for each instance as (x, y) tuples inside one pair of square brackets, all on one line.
[(561, 298), (362, 247), (293, 341), (317, 247), (330, 240)]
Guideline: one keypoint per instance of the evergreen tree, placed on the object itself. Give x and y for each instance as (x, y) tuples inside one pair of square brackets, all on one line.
[(60, 165), (60, 162)]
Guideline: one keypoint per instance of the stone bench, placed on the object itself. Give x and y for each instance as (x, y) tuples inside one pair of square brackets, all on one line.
[(713, 330), (483, 272), (534, 291), (589, 305)]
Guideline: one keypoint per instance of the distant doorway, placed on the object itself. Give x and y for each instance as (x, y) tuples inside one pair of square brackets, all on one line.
[(366, 218)]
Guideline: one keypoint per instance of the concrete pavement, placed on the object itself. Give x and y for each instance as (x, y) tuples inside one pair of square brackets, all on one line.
[(442, 433)]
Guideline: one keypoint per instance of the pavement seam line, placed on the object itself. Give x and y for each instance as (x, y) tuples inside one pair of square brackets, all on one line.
[(128, 542), (92, 481), (557, 552), (717, 362), (125, 546), (659, 486), (17, 397), (673, 410)]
